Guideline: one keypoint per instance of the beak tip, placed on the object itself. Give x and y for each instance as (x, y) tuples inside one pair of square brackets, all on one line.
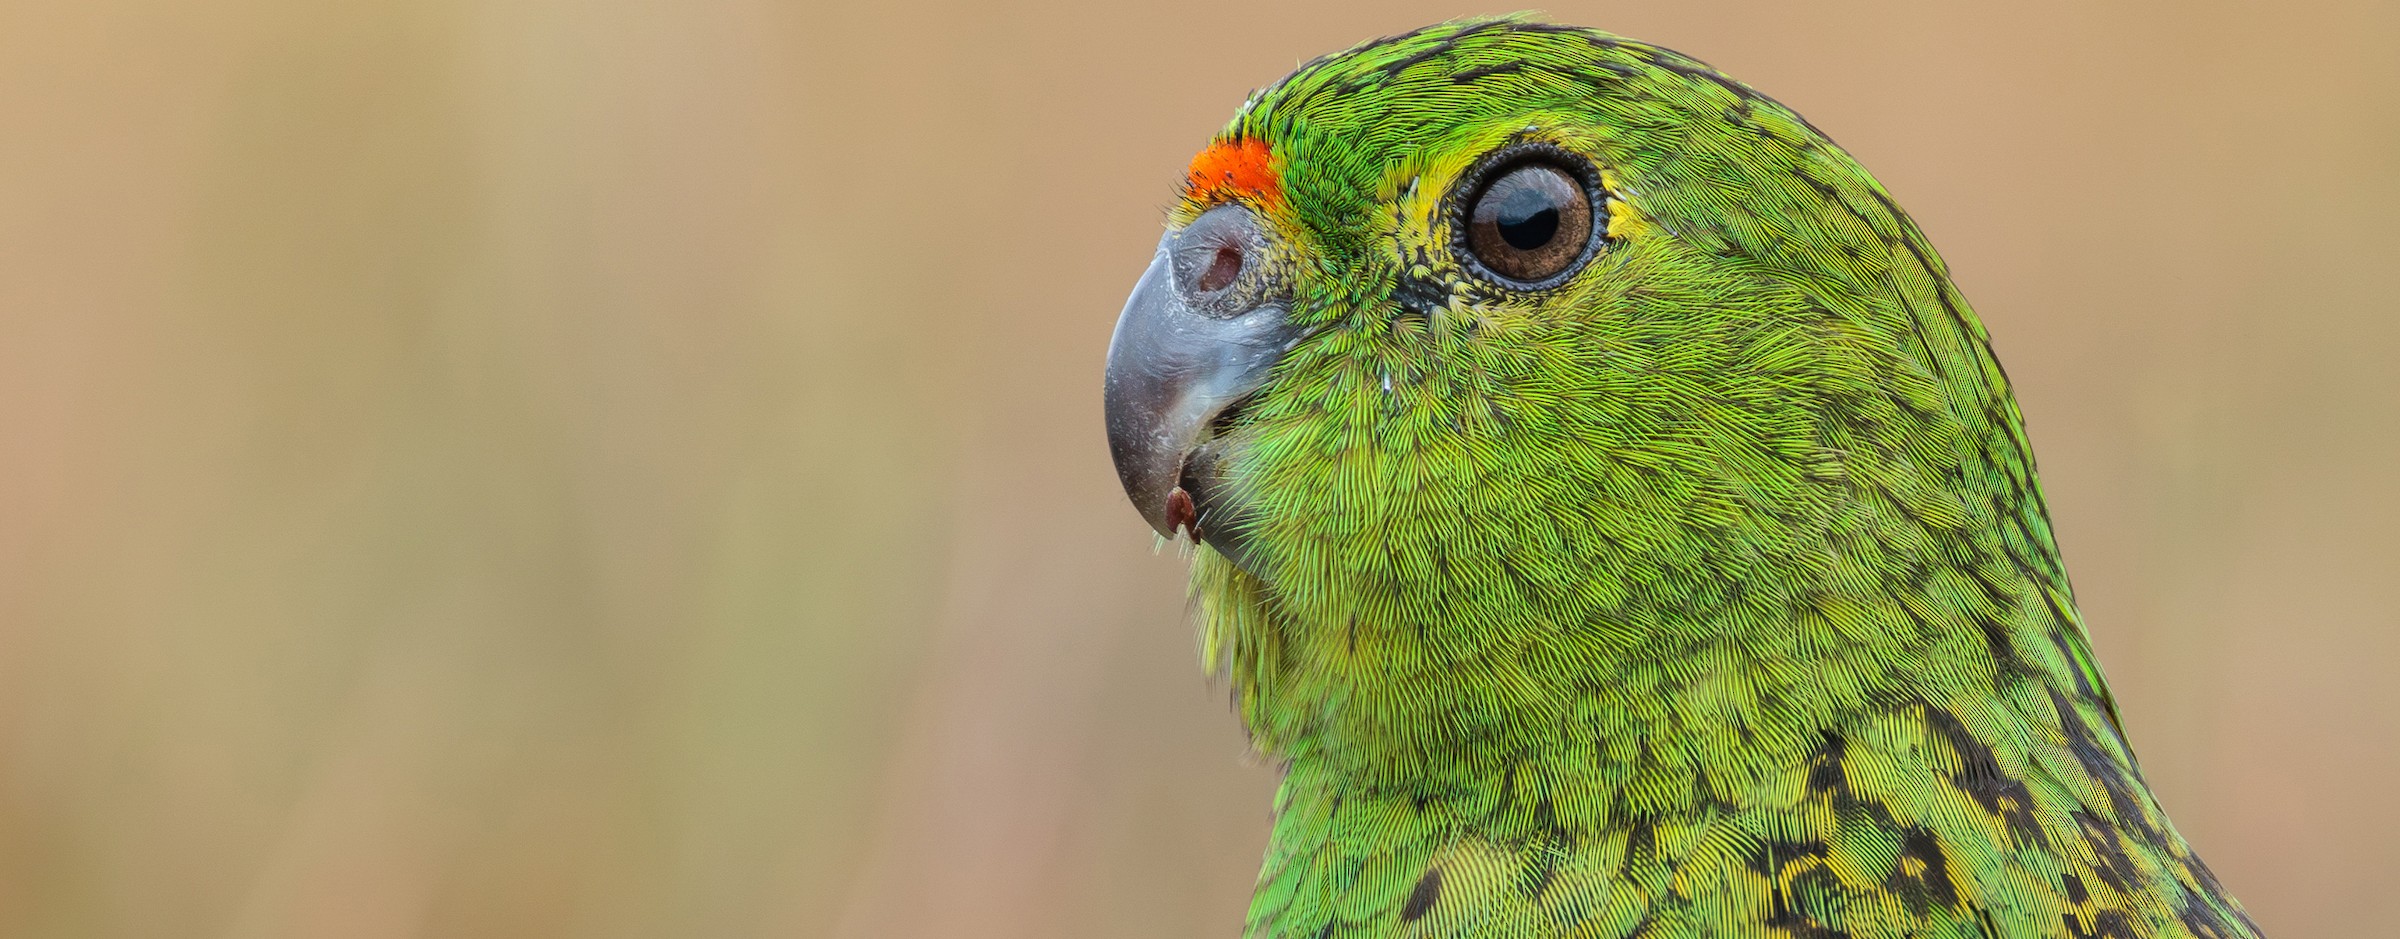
[(1182, 515)]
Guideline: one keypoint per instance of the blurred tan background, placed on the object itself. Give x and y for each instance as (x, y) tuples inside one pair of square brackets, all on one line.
[(629, 469)]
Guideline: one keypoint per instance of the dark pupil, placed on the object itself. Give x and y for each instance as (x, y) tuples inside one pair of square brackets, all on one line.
[(1527, 218), (1531, 224)]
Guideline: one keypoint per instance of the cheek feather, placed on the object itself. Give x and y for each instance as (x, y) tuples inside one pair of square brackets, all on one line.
[(1623, 221), (1228, 170)]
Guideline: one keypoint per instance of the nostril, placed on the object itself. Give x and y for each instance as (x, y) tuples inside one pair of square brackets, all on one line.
[(1222, 269)]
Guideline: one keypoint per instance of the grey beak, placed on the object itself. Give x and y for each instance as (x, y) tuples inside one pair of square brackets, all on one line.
[(1204, 328)]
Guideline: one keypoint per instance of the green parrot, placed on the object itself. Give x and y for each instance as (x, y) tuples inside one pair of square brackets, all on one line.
[(1616, 524)]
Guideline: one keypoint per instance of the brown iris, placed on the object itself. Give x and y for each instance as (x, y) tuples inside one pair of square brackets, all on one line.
[(1530, 224)]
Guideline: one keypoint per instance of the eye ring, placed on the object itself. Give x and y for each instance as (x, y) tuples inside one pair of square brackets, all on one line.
[(1528, 216)]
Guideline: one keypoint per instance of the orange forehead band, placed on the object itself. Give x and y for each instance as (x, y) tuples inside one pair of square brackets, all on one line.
[(1231, 169)]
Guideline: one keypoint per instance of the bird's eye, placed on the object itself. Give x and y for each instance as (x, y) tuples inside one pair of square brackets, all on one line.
[(1528, 222)]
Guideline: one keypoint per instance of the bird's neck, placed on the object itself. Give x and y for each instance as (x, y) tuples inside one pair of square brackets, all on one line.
[(1690, 702)]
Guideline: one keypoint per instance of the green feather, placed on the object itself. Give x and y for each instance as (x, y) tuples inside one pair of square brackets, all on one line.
[(1709, 593)]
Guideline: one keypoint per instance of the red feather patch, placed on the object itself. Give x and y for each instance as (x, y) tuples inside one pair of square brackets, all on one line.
[(1231, 169)]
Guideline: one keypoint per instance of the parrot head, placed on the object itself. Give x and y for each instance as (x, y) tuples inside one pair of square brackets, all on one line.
[(1503, 315), (1501, 343)]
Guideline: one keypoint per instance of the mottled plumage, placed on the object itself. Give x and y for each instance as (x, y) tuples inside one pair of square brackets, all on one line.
[(1709, 592)]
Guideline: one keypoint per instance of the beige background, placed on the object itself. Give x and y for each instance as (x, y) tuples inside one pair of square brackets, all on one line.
[(544, 468)]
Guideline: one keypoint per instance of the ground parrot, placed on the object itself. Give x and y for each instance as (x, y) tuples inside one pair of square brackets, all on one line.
[(1615, 523)]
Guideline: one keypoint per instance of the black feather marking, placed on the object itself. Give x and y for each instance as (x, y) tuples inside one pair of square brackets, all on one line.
[(1825, 768), (1423, 896), (1479, 73), (1445, 46), (1784, 912), (1930, 887), (1980, 777), (2124, 790), (2107, 924), (2116, 867)]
